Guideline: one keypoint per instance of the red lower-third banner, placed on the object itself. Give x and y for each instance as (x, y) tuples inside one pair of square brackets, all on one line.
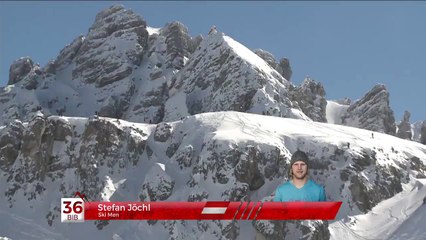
[(210, 210)]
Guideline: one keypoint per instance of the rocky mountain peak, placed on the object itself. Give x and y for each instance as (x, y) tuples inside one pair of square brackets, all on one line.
[(372, 112), (113, 20), (224, 75), (108, 12), (115, 42), (24, 70), (406, 117), (179, 44)]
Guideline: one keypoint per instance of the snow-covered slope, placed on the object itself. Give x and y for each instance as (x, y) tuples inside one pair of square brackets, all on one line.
[(394, 218), (335, 111), (211, 156)]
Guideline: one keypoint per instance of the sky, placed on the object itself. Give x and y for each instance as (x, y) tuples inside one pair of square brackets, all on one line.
[(347, 46)]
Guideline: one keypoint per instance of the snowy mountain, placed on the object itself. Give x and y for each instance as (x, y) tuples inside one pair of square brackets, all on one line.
[(212, 156), (121, 70), (130, 112)]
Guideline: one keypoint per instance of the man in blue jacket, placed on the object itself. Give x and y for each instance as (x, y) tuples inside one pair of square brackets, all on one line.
[(300, 187)]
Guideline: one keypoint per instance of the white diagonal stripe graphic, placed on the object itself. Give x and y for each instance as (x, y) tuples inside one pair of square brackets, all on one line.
[(214, 210)]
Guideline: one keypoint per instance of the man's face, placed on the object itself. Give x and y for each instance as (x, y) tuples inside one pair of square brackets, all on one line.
[(300, 170)]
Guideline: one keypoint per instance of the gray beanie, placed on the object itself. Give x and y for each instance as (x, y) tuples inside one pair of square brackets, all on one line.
[(298, 156)]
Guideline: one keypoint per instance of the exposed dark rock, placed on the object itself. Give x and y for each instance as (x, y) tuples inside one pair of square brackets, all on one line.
[(195, 42), (10, 144), (267, 56), (179, 44), (372, 112), (423, 133), (50, 68), (20, 69), (284, 68), (163, 132), (404, 128), (184, 157), (62, 129), (366, 195), (247, 169), (270, 229), (69, 52), (158, 186), (116, 105), (310, 97), (98, 60)]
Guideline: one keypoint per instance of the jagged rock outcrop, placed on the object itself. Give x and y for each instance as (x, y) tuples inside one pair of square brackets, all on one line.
[(10, 143), (423, 133), (24, 70), (68, 53), (283, 67), (114, 44), (157, 186), (179, 44), (115, 106), (20, 69), (223, 75), (404, 128), (267, 56), (162, 133), (372, 112), (50, 68), (310, 97)]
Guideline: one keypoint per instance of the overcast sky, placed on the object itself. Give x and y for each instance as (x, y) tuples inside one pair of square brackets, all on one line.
[(347, 46)]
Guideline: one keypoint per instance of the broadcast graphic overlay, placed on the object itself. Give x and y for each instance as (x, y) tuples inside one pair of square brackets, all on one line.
[(77, 210)]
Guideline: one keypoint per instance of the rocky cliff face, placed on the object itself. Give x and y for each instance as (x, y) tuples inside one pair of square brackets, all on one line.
[(116, 34), (179, 44), (26, 71), (423, 133), (224, 75), (404, 128), (372, 112), (20, 69), (310, 97), (283, 66)]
